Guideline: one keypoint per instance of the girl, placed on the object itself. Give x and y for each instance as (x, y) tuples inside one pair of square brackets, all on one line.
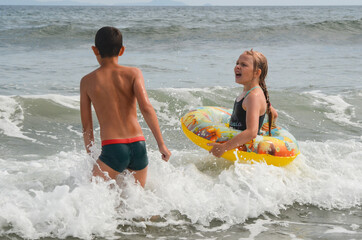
[(253, 103)]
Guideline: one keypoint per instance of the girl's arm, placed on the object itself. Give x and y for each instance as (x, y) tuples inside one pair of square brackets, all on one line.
[(274, 113), (253, 106)]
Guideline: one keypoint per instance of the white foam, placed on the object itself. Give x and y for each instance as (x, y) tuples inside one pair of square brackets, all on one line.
[(163, 110), (71, 129), (337, 229), (331, 174), (256, 228), (191, 96), (53, 197), (341, 111), (11, 118), (354, 226), (163, 113), (185, 94)]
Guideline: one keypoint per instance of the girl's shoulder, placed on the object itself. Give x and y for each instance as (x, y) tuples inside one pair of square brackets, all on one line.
[(255, 97), (255, 93)]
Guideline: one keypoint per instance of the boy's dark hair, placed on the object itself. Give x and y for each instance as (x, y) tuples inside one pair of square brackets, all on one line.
[(109, 41)]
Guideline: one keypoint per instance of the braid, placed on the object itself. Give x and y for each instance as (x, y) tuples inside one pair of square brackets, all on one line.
[(268, 111), (261, 63)]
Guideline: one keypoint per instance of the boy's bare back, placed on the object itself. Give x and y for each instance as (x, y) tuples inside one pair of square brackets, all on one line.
[(113, 91)]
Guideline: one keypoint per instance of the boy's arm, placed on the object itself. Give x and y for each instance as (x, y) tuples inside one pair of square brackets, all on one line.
[(149, 113), (86, 117)]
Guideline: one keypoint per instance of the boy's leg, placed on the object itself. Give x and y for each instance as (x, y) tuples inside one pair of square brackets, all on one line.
[(138, 154), (140, 175), (139, 160), (99, 169)]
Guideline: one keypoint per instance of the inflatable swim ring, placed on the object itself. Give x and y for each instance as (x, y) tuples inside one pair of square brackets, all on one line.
[(211, 124)]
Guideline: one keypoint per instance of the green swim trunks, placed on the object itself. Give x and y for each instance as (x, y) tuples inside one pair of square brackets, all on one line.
[(121, 154)]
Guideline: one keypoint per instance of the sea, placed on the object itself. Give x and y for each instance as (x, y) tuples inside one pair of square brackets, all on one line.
[(187, 56)]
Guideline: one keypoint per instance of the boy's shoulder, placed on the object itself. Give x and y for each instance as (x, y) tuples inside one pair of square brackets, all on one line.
[(89, 75), (127, 71), (130, 72), (87, 80), (130, 69)]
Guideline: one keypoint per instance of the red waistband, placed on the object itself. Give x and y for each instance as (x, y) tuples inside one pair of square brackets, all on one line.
[(123, 140)]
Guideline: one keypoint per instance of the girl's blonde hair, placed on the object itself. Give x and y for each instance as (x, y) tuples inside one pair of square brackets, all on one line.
[(260, 62)]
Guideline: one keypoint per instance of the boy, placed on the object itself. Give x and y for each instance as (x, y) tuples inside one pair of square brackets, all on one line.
[(114, 91)]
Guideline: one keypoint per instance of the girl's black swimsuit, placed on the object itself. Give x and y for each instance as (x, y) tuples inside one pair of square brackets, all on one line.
[(238, 117)]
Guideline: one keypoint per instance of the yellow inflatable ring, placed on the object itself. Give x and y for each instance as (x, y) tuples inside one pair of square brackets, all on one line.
[(211, 124)]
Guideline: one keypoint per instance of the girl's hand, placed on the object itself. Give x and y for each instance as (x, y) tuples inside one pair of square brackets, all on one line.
[(217, 150), (274, 113)]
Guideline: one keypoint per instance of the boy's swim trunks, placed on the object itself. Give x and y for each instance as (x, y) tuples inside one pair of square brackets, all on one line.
[(120, 154)]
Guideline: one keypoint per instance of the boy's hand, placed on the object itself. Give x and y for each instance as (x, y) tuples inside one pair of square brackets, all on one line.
[(217, 150), (165, 153)]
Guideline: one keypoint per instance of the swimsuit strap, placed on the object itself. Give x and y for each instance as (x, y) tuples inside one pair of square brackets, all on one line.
[(247, 93), (250, 91)]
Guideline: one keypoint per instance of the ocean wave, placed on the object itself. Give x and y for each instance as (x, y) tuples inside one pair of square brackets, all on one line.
[(64, 30), (330, 113), (218, 30), (38, 121), (181, 29), (336, 109), (71, 102), (341, 26), (45, 123), (11, 118)]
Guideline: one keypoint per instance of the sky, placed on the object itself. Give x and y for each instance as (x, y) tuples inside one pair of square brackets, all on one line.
[(202, 2)]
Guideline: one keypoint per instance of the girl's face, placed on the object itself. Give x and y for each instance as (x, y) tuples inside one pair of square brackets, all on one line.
[(244, 69)]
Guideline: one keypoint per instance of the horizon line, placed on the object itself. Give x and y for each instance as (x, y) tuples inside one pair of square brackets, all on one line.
[(205, 5)]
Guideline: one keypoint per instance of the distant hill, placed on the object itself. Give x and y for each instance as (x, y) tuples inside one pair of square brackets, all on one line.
[(69, 2), (18, 2), (164, 3), (38, 3)]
